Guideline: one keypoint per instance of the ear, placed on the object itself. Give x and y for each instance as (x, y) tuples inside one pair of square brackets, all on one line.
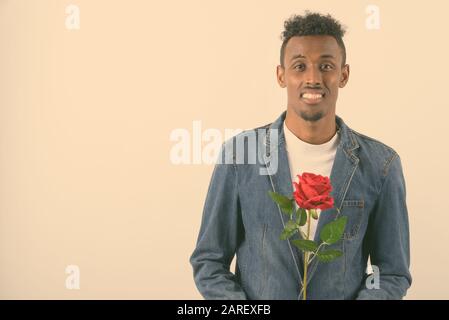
[(280, 74), (344, 76)]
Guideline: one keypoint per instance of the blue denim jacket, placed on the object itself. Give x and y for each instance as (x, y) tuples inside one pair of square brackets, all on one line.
[(239, 218)]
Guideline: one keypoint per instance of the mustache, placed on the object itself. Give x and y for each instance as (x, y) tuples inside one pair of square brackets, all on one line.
[(314, 87)]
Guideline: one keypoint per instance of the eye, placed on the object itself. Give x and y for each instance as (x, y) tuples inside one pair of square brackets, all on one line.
[(299, 67), (327, 67)]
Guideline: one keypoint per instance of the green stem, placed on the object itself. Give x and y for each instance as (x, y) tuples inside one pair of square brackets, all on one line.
[(315, 253), (306, 256)]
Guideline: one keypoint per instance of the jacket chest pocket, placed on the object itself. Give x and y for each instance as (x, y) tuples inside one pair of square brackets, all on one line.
[(353, 209)]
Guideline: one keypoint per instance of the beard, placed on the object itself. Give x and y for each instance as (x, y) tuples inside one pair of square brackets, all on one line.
[(312, 117)]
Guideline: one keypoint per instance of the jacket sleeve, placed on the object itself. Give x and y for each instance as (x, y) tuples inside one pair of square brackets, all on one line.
[(387, 238), (219, 237)]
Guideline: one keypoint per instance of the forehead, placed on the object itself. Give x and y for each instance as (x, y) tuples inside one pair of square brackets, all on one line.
[(312, 47)]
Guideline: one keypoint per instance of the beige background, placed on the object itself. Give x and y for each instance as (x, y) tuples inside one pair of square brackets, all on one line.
[(86, 116)]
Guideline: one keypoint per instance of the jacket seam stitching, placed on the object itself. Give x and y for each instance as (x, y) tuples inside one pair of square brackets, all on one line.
[(372, 139), (386, 171)]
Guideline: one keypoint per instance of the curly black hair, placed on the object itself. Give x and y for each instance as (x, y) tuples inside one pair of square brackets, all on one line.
[(313, 23)]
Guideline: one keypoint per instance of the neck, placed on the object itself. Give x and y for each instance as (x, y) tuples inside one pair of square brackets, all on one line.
[(313, 132)]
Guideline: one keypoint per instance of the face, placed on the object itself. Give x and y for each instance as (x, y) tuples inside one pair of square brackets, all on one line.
[(312, 74)]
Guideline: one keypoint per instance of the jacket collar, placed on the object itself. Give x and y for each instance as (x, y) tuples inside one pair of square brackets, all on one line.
[(347, 141)]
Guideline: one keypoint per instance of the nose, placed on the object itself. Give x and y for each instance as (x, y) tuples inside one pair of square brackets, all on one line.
[(313, 77)]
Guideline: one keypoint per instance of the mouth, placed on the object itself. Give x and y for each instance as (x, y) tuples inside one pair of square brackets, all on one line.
[(312, 97)]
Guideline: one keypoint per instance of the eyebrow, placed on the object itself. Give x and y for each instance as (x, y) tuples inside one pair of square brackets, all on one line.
[(300, 56)]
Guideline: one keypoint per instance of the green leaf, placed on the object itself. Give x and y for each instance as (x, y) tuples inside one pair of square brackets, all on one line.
[(314, 214), (333, 231), (329, 255), (305, 245), (287, 234), (285, 203), (291, 224), (290, 229), (301, 217)]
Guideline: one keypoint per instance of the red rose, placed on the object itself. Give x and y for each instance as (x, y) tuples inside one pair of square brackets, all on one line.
[(313, 192)]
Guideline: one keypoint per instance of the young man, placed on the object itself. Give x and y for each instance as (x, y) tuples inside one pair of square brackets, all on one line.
[(368, 187)]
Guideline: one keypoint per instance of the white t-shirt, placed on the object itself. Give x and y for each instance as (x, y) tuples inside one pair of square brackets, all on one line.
[(313, 158)]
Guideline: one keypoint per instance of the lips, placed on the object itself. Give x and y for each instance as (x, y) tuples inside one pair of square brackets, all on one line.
[(312, 96)]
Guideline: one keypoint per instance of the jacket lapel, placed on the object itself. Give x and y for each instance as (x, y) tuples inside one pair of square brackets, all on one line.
[(342, 172), (343, 169), (281, 181)]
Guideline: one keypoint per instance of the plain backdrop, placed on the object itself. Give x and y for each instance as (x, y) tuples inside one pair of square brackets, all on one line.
[(86, 115)]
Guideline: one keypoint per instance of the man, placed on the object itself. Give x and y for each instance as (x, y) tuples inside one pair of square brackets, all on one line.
[(368, 187)]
